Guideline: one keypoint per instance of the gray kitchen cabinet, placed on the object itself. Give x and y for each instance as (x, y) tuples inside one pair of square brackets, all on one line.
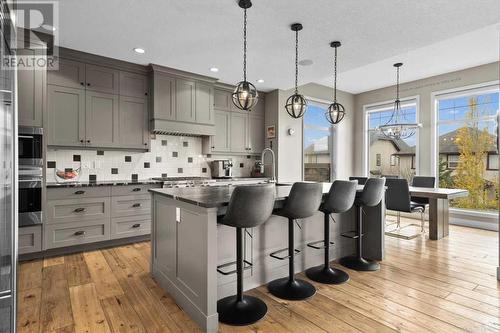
[(222, 100), (221, 141), (133, 85), (238, 132), (101, 119), (164, 97), (76, 233), (130, 226), (204, 103), (259, 108), (70, 74), (133, 123), (102, 79), (256, 135), (185, 100), (131, 205), (30, 239), (65, 116), (31, 84), (77, 210)]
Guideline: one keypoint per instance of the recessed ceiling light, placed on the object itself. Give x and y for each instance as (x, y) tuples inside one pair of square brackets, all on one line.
[(260, 81), (306, 62), (139, 50), (214, 69)]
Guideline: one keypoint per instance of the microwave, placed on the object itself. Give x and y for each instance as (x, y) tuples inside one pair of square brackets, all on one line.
[(30, 148)]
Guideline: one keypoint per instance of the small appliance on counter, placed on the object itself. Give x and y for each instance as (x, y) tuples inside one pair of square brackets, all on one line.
[(222, 169), (257, 170)]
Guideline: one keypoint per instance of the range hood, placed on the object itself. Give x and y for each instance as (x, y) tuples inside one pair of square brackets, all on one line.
[(182, 103)]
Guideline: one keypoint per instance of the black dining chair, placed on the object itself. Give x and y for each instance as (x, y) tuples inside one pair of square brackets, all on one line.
[(423, 181), (397, 198), (361, 180), (249, 206)]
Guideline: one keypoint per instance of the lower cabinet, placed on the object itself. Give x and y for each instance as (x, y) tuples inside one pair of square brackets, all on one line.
[(30, 239), (95, 215)]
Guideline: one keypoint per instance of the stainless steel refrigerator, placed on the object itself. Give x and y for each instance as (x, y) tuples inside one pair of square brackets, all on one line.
[(8, 178)]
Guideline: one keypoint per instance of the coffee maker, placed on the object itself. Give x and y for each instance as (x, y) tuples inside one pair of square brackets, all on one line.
[(222, 169)]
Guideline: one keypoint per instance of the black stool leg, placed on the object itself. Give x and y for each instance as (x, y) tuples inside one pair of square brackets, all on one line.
[(325, 273), (290, 288), (357, 262), (240, 309)]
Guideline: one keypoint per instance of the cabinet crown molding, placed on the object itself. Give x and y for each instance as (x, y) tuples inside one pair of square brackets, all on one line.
[(177, 72)]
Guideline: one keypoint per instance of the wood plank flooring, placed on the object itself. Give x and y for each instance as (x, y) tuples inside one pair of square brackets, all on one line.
[(423, 286)]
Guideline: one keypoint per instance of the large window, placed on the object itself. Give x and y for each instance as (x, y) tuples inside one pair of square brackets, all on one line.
[(384, 156), (467, 149), (317, 144)]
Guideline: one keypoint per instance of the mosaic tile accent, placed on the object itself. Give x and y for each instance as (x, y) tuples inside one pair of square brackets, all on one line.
[(128, 158), (175, 154), (77, 158), (146, 165), (164, 142), (185, 144), (92, 178), (100, 152), (158, 159), (190, 160), (51, 164), (180, 170), (114, 171)]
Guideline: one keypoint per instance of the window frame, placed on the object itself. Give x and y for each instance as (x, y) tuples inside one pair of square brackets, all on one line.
[(379, 106), (448, 161), (488, 161)]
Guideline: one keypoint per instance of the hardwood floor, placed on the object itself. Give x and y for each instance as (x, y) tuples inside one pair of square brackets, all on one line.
[(423, 286)]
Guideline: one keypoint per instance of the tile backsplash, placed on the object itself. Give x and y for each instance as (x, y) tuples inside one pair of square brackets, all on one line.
[(172, 156)]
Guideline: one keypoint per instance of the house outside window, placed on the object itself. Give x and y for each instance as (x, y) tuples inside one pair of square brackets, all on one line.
[(467, 154)]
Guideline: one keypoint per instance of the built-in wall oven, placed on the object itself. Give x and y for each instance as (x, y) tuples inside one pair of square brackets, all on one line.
[(30, 175)]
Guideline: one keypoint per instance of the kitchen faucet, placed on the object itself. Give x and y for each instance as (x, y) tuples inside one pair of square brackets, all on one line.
[(273, 163)]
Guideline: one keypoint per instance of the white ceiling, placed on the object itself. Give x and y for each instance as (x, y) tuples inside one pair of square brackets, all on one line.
[(430, 36)]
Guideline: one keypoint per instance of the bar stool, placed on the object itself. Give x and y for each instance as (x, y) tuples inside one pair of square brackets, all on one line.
[(371, 196), (303, 201), (340, 199), (250, 206)]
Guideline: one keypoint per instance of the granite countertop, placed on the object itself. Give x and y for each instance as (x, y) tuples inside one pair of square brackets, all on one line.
[(211, 197), (103, 183)]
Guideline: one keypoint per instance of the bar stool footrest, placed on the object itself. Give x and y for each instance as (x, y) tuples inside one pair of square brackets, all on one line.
[(319, 247), (276, 256), (351, 234), (220, 268)]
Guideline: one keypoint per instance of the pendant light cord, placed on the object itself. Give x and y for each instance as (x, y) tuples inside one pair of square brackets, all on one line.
[(335, 77), (296, 61), (397, 84), (245, 45)]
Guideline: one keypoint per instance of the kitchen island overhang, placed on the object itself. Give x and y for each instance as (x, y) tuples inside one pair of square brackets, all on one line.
[(188, 245)]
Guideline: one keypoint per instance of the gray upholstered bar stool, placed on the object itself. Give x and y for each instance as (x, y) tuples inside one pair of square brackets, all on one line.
[(371, 196), (303, 201), (340, 199), (250, 206)]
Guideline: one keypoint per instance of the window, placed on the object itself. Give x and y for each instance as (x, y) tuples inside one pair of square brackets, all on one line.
[(492, 162), (317, 144), (466, 146), (387, 157)]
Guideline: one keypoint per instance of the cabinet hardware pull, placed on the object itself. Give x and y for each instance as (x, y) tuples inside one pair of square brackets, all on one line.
[(137, 225), (88, 84), (136, 205), (79, 210), (81, 141), (145, 94), (82, 83), (80, 192), (145, 143), (137, 189), (213, 147), (79, 233), (88, 141)]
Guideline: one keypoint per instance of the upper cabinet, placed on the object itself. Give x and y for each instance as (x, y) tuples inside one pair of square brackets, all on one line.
[(182, 104), (31, 85), (97, 106)]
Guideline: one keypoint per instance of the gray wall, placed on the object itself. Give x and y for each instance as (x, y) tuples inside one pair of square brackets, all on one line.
[(288, 148), (422, 88)]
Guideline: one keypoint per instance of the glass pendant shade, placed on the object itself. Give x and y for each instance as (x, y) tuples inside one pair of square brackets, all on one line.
[(245, 96), (296, 106), (335, 113)]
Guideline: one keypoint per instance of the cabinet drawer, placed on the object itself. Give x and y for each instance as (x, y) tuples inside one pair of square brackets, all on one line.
[(30, 239), (132, 189), (130, 205), (78, 192), (73, 210), (67, 234), (130, 226)]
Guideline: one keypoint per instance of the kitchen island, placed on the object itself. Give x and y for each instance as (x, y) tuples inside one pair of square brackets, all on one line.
[(188, 245)]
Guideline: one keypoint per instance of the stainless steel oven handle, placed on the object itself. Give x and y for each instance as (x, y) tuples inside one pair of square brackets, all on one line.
[(26, 136)]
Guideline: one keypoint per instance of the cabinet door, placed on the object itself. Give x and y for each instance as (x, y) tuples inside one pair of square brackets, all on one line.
[(255, 134), (222, 99), (66, 116), (70, 74), (260, 107), (133, 123), (204, 103), (31, 84), (185, 99), (221, 138), (101, 119), (102, 79), (133, 85), (164, 97), (238, 130)]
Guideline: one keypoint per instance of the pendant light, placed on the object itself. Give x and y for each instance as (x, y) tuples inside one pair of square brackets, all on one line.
[(336, 111), (245, 95), (397, 127), (296, 105)]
